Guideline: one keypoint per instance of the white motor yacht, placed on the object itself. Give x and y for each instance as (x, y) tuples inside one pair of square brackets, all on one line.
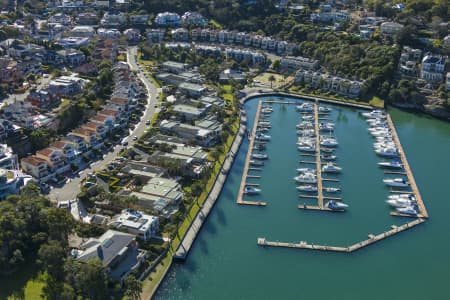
[(306, 170), (262, 137), (331, 168), (306, 178), (307, 188), (387, 152), (374, 114), (409, 210), (401, 202), (396, 182), (334, 205), (402, 196), (393, 164), (305, 107), (307, 148), (250, 190), (329, 142), (331, 189), (259, 156), (323, 109)]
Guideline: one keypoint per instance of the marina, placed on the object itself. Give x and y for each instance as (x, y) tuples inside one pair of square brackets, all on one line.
[(229, 224)]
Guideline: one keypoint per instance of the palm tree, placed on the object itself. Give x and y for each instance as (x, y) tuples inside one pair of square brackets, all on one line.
[(271, 79)]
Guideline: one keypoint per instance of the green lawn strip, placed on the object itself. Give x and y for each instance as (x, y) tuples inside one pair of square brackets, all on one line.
[(375, 100), (33, 288)]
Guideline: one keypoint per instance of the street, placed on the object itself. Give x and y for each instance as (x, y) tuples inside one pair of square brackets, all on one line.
[(72, 188)]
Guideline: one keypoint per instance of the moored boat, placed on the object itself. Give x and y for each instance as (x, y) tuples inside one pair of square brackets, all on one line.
[(259, 156), (307, 188), (306, 178), (334, 205), (396, 182), (409, 210), (331, 168), (331, 189), (250, 190), (256, 163)]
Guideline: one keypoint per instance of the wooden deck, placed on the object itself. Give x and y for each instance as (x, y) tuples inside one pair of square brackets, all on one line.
[(318, 162), (409, 174), (245, 175), (371, 240)]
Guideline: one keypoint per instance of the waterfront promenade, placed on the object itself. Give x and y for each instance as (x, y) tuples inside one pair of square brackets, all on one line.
[(183, 249)]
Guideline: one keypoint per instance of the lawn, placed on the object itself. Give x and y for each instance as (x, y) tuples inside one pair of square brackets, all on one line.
[(32, 290), (280, 80)]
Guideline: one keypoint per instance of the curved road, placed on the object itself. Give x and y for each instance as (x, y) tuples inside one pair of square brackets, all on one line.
[(70, 190)]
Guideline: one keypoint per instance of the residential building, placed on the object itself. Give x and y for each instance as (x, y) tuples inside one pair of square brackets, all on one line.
[(72, 57), (111, 33), (118, 252), (90, 137), (192, 89), (230, 74), (132, 34), (160, 194), (72, 42), (201, 136), (66, 86), (87, 18), (135, 222), (139, 19), (432, 68), (194, 18), (36, 167), (298, 62), (82, 31), (409, 61), (143, 170), (156, 35), (113, 18), (8, 160), (66, 148), (180, 34), (168, 19), (55, 159), (189, 112), (10, 182), (245, 55), (99, 128), (390, 28), (174, 67), (210, 100)]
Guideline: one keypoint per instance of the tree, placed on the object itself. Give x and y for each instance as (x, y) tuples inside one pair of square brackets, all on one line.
[(271, 79), (87, 279), (51, 257), (133, 288)]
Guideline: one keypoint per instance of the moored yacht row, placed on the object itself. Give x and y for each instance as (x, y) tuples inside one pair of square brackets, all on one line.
[(307, 145), (385, 147)]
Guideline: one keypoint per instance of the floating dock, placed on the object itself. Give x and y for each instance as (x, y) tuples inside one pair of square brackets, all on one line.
[(318, 162), (352, 248), (247, 168), (415, 190)]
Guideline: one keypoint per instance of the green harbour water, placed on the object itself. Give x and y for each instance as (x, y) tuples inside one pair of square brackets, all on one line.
[(226, 263)]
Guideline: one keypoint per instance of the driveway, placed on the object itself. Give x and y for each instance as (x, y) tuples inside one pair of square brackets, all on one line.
[(70, 190)]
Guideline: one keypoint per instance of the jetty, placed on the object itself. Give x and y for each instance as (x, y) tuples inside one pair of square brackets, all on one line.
[(415, 190), (247, 168), (352, 248)]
